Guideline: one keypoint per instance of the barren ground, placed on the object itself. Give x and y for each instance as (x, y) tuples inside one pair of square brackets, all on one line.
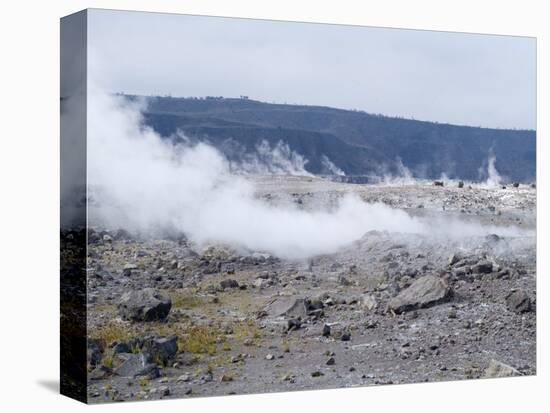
[(269, 330)]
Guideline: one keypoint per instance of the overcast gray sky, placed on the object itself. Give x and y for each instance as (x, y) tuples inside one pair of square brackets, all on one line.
[(478, 80)]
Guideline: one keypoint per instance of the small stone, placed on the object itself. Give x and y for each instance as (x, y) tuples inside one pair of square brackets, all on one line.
[(342, 280), (331, 361), (317, 374), (498, 369), (164, 391), (184, 378), (346, 336), (326, 330), (368, 302), (128, 269), (261, 283), (270, 357), (518, 302), (288, 377), (293, 324), (229, 283), (121, 348), (453, 259), (226, 377), (451, 313), (483, 267)]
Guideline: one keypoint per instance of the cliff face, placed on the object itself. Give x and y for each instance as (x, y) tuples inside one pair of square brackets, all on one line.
[(356, 142)]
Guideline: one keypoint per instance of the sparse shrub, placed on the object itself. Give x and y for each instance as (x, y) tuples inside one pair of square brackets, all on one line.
[(144, 383), (186, 300), (200, 339), (112, 332), (285, 346), (108, 361)]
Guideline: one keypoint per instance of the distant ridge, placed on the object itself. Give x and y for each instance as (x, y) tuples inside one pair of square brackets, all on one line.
[(356, 142)]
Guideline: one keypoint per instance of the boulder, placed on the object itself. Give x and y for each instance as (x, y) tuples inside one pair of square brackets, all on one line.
[(483, 267), (424, 292), (162, 349), (144, 305), (498, 369), (137, 365), (519, 302), (287, 306), (453, 259), (229, 283), (368, 302), (95, 350)]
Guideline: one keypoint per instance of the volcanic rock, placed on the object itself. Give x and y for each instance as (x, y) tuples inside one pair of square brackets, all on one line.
[(229, 283), (162, 348), (498, 369), (518, 302), (144, 305), (424, 292), (483, 267), (138, 365)]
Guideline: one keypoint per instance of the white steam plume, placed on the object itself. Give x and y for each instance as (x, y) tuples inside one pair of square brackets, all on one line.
[(278, 159), (330, 167), (402, 175), (493, 177), (141, 182)]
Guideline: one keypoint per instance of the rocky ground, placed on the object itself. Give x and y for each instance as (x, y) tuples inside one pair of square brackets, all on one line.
[(168, 319)]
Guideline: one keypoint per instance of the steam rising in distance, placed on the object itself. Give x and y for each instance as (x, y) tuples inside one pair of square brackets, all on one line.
[(141, 182)]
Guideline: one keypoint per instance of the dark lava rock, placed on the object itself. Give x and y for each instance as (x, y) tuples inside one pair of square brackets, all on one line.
[(100, 373), (453, 259), (439, 183), (314, 304), (95, 349), (326, 330), (483, 267), (128, 269), (103, 275), (229, 283), (121, 348), (461, 184), (518, 302), (144, 305), (423, 292), (294, 324), (162, 348)]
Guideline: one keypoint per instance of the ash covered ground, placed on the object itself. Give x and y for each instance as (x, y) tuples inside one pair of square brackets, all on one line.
[(169, 318)]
